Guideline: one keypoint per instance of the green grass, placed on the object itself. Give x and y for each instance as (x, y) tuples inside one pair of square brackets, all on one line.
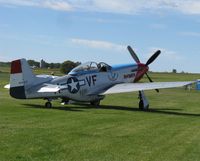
[(117, 131)]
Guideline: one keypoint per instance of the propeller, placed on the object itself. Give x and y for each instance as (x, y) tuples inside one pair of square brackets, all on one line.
[(149, 61), (153, 57), (133, 54), (150, 80)]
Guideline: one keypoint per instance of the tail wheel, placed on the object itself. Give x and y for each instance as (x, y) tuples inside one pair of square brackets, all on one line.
[(48, 104), (95, 103)]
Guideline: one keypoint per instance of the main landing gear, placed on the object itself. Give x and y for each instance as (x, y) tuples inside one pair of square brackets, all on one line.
[(64, 101), (95, 103), (48, 104), (143, 103)]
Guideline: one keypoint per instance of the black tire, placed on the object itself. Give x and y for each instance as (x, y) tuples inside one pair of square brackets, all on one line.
[(95, 103), (48, 104)]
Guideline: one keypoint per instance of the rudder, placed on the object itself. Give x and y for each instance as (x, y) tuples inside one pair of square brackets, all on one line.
[(21, 78)]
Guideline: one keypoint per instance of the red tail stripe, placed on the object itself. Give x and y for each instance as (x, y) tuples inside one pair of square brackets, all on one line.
[(16, 67)]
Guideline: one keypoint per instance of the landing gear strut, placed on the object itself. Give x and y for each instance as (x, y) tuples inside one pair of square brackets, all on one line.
[(143, 103), (64, 101), (95, 103)]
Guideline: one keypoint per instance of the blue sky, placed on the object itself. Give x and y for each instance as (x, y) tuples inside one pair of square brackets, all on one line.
[(100, 30)]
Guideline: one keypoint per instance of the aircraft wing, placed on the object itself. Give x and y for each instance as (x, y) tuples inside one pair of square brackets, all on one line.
[(7, 86), (131, 87), (51, 88), (45, 88)]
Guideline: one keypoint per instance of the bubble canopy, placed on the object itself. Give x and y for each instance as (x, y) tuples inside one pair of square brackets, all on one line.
[(91, 67)]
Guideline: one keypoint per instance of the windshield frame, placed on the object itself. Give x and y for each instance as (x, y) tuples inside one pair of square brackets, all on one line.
[(85, 67), (90, 66)]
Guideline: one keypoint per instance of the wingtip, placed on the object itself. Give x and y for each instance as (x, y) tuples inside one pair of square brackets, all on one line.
[(7, 86)]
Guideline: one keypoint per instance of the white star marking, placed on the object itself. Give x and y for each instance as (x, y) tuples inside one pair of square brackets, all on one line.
[(73, 85)]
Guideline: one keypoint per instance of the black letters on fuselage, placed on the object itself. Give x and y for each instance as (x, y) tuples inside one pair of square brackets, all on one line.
[(91, 80), (88, 80), (94, 79)]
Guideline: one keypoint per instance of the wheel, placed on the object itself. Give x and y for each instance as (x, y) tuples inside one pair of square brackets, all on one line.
[(48, 105), (95, 103), (141, 106)]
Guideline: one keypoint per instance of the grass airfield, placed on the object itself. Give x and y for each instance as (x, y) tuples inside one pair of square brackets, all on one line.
[(116, 131)]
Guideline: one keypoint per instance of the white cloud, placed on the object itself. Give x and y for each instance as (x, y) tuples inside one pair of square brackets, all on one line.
[(99, 44), (51, 4), (116, 6), (190, 7), (18, 2), (138, 6), (57, 5)]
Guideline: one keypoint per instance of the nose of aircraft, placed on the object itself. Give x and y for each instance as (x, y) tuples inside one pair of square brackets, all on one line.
[(142, 69)]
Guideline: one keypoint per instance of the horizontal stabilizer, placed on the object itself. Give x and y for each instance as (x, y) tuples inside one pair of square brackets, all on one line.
[(131, 87), (49, 88)]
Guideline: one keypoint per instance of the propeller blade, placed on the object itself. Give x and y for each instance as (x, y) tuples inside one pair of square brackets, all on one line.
[(153, 57), (133, 54), (150, 80)]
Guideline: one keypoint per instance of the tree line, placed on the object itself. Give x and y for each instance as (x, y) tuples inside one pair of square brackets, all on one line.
[(64, 67)]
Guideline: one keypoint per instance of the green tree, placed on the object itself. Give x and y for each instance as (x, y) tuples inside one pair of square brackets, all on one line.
[(33, 63), (174, 71), (67, 66), (57, 65)]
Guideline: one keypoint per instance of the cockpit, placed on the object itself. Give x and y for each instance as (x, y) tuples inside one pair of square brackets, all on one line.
[(91, 67)]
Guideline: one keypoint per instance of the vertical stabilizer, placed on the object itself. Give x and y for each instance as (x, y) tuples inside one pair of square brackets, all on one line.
[(21, 78)]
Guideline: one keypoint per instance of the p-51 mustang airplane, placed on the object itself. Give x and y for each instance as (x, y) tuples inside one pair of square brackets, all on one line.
[(89, 82)]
